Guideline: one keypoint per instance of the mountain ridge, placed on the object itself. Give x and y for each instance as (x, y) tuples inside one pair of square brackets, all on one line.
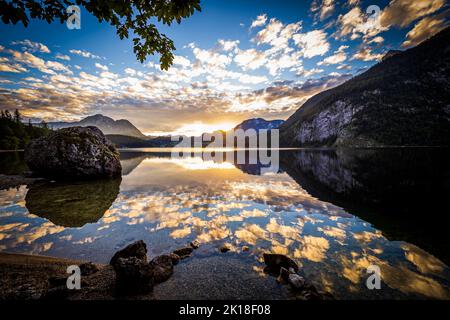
[(106, 124), (124, 134), (259, 124), (403, 100)]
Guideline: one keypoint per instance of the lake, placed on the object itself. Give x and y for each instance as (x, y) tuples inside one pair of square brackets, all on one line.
[(335, 212)]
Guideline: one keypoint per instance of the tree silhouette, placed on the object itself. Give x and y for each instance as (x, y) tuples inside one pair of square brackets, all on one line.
[(17, 116), (127, 16)]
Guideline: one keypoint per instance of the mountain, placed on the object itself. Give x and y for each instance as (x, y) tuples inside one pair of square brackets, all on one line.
[(107, 125), (259, 124), (403, 100), (121, 141), (391, 53)]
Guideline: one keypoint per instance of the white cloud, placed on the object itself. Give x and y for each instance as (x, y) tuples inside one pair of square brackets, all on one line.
[(228, 45), (32, 61), (312, 43), (211, 58), (344, 67), (307, 73), (84, 54), (356, 24), (270, 32), (32, 46), (259, 22), (366, 54), (426, 28), (349, 21), (326, 9), (250, 59), (130, 71), (278, 36), (284, 61), (378, 40), (62, 57), (8, 66), (250, 79), (109, 75), (101, 66), (339, 56), (181, 61), (403, 12), (57, 66)]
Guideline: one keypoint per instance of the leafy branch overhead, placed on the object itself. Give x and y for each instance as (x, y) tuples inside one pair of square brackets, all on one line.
[(127, 16)]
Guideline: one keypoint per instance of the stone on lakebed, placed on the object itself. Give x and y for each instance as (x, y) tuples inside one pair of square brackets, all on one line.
[(133, 276), (275, 262), (162, 268), (137, 250)]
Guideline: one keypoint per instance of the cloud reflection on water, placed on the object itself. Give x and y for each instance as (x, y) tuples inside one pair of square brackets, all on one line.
[(169, 202)]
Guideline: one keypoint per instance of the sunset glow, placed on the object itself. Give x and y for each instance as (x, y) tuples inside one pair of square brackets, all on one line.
[(196, 129), (264, 62)]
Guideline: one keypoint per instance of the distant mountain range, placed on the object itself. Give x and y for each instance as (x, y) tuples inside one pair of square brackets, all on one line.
[(259, 124), (107, 125), (125, 135), (403, 100)]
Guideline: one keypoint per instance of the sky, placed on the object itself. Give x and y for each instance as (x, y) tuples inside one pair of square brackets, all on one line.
[(234, 60)]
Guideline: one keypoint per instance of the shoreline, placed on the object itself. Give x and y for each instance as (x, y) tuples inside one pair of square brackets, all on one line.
[(15, 181), (36, 277), (280, 148)]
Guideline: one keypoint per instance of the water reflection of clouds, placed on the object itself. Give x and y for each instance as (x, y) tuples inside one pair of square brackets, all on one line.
[(168, 204)]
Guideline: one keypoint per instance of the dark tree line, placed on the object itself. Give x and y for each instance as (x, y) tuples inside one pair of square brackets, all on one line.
[(14, 134)]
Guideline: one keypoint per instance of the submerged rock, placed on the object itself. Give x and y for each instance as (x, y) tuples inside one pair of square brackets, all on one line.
[(275, 262), (137, 250), (175, 258), (184, 252), (74, 153), (88, 268), (224, 248), (296, 281), (133, 276), (284, 274), (162, 268), (195, 244)]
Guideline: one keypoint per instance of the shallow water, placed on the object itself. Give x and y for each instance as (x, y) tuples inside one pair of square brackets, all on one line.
[(334, 212)]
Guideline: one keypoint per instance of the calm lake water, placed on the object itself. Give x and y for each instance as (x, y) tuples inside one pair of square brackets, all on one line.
[(334, 212)]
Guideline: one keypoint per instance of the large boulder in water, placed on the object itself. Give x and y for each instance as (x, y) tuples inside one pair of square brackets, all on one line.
[(74, 153)]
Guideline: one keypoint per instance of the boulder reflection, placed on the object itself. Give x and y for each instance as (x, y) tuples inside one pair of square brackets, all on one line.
[(74, 204)]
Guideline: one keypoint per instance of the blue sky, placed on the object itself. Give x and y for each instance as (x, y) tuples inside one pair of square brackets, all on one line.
[(234, 60)]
